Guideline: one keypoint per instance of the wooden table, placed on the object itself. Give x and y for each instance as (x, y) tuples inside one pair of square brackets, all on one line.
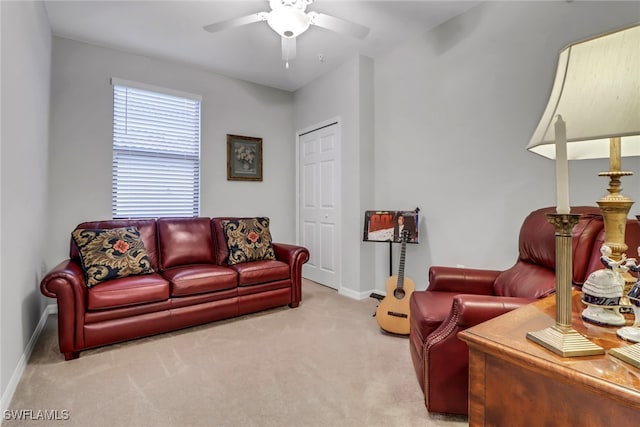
[(516, 382)]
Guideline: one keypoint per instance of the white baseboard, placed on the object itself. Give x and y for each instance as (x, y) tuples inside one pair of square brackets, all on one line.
[(356, 295), (22, 363)]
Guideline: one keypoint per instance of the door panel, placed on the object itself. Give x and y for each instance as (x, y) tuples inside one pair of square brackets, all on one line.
[(319, 203)]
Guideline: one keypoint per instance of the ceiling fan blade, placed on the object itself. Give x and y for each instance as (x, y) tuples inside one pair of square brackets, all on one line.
[(236, 22), (288, 48), (338, 25)]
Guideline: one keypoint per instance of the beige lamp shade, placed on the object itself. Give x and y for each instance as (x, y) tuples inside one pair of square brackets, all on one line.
[(597, 93)]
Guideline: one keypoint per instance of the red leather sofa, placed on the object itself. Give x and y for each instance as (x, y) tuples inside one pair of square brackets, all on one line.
[(192, 283), (458, 298)]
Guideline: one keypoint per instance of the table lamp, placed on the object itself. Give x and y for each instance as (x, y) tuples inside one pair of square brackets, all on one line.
[(593, 112)]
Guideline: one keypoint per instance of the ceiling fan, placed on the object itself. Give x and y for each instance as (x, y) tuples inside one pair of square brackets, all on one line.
[(289, 19)]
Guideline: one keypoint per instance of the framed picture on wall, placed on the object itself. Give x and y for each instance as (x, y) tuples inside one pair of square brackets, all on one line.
[(244, 158)]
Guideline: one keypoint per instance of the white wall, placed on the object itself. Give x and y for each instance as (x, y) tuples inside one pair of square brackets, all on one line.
[(347, 93), (26, 63), (454, 110), (81, 141)]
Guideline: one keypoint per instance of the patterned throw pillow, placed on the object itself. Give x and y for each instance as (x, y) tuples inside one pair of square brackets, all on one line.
[(248, 240), (111, 254)]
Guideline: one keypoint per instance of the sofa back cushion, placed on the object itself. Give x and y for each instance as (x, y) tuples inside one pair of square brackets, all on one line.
[(585, 234), (184, 241), (146, 228), (525, 280), (529, 277)]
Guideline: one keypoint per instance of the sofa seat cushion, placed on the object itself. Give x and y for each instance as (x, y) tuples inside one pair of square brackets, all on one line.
[(200, 278), (428, 310), (256, 272), (128, 291)]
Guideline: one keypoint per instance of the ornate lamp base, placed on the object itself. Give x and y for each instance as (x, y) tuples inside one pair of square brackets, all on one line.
[(567, 343), (615, 208)]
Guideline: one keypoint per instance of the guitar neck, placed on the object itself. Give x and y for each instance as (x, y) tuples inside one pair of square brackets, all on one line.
[(401, 268)]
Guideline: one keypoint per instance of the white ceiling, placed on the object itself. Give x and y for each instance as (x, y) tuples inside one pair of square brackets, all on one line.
[(173, 30)]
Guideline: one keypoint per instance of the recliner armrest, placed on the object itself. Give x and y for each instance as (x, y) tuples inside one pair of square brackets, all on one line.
[(469, 310), (446, 357), (462, 280), (475, 309)]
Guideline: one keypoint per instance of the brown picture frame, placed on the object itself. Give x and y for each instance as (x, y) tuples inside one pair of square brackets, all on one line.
[(244, 158)]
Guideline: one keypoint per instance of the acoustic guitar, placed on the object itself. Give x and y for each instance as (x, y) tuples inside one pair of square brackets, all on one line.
[(393, 311)]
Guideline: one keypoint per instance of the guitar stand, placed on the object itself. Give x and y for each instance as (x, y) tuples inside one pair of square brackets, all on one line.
[(376, 296), (379, 298)]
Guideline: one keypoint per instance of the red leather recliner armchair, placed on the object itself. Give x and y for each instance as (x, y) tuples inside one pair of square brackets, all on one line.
[(458, 298)]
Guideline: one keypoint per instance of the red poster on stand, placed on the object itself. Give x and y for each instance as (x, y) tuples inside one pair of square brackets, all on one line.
[(387, 226)]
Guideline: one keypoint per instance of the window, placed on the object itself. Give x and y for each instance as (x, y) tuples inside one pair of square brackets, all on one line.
[(156, 152)]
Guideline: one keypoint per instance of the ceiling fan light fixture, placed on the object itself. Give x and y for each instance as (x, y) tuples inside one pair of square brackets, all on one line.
[(288, 21)]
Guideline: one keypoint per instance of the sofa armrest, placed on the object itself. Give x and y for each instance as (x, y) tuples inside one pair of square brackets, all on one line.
[(290, 253), (462, 280), (67, 273), (295, 256), (66, 283)]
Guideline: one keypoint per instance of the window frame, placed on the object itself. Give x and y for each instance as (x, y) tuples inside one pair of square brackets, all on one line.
[(129, 158)]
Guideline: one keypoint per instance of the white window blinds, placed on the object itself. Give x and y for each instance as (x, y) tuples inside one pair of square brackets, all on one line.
[(156, 152)]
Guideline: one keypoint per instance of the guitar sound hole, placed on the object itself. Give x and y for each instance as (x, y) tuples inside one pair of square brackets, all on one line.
[(399, 293)]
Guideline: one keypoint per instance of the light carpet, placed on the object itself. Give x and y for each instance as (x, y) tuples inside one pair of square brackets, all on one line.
[(325, 363)]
